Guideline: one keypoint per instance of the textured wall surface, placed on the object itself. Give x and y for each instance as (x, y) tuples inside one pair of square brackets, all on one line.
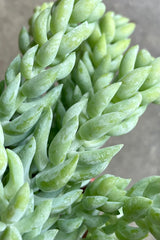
[(140, 156)]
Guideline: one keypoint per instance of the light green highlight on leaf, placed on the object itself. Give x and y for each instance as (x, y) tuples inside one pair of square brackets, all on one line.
[(41, 135), (124, 31), (47, 52), (108, 26), (40, 27), (69, 225), (24, 122), (75, 37), (99, 126), (56, 177), (28, 62), (101, 99), (13, 69), (128, 61), (24, 40), (60, 15), (118, 48), (17, 206), (62, 141), (15, 180), (132, 81)]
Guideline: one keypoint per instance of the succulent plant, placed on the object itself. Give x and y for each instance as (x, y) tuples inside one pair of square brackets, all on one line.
[(74, 86)]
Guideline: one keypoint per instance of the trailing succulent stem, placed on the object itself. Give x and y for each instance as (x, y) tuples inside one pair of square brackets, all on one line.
[(73, 87)]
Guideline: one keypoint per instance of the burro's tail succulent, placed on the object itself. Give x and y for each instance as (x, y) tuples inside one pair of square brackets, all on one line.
[(74, 86)]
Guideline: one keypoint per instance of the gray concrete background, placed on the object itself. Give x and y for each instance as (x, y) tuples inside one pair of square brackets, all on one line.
[(140, 155)]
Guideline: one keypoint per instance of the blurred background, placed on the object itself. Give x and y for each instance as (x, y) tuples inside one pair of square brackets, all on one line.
[(140, 156)]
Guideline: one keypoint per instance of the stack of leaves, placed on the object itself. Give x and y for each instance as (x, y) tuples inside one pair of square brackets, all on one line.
[(73, 87)]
